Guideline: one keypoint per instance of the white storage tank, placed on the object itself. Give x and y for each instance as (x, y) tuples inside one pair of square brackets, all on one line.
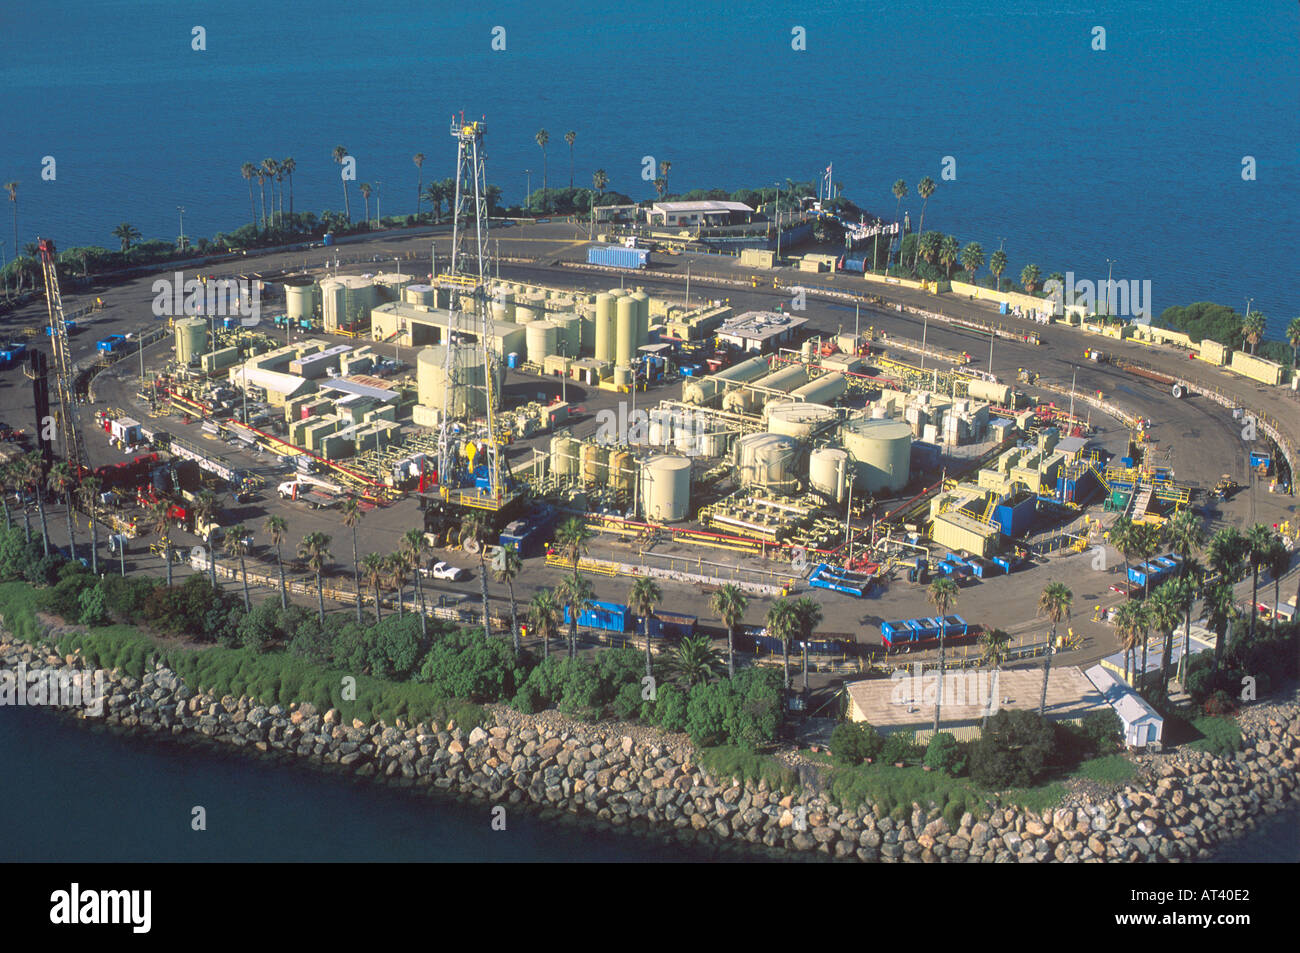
[(666, 488), (768, 461), (564, 456), (828, 469), (422, 295), (798, 420), (705, 390), (642, 317), (468, 396), (540, 340), (606, 333), (822, 390), (625, 343), (525, 314), (881, 452), (191, 339)]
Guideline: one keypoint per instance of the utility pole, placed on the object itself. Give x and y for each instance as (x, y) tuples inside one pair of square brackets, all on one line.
[(925, 330), (1110, 267), (181, 210), (778, 222), (688, 286), (1073, 377), (528, 188), (991, 336)]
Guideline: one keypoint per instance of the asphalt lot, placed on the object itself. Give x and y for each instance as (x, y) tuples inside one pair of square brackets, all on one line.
[(1202, 439)]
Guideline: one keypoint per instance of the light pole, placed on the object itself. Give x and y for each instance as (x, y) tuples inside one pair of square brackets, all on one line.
[(991, 336), (1110, 268), (778, 222), (1248, 301), (181, 210), (528, 188), (688, 286), (377, 185)]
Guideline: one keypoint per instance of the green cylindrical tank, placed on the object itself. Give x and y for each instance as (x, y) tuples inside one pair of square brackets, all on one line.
[(642, 317), (191, 339), (606, 329), (540, 340), (626, 341)]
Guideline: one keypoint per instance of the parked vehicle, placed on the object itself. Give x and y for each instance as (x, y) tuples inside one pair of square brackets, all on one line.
[(442, 570)]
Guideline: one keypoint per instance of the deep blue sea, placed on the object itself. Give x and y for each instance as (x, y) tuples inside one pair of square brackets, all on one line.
[(1070, 155)]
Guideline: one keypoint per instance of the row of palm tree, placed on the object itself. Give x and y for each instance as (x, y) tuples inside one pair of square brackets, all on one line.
[(273, 171)]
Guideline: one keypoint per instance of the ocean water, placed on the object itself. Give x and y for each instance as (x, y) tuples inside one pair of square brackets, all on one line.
[(86, 796), (1069, 155)]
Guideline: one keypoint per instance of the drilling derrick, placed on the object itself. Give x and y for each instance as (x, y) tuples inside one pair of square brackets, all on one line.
[(64, 371)]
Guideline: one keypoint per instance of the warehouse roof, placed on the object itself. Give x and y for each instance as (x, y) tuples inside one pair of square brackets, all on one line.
[(760, 325)]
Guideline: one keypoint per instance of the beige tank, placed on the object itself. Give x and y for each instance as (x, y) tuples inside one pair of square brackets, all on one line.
[(748, 400), (705, 390), (666, 488), (595, 463), (191, 339), (621, 471), (465, 393), (798, 420), (881, 452), (642, 317), (822, 390), (827, 472), (606, 329), (564, 456), (540, 339), (768, 461), (626, 342)]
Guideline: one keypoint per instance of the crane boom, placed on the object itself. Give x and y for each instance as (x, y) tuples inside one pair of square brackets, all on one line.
[(63, 369)]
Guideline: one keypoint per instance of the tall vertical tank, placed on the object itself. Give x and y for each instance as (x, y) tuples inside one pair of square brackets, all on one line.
[(606, 333), (564, 456), (419, 294), (666, 488), (626, 340), (595, 463), (525, 314), (569, 332), (540, 339), (389, 286), (466, 393), (642, 317), (881, 452), (347, 299), (768, 461), (828, 472), (621, 471), (191, 339), (300, 297)]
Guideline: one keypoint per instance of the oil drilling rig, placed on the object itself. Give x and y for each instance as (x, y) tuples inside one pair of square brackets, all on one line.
[(64, 373)]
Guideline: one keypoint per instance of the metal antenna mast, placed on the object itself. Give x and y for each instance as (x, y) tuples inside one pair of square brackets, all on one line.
[(469, 268), (63, 370)]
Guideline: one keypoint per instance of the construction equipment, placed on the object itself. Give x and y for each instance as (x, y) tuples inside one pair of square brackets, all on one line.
[(63, 369)]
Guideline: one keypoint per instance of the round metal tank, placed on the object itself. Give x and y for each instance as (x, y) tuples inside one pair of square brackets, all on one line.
[(878, 412), (606, 333), (595, 463), (468, 398), (828, 469), (564, 456), (768, 461), (666, 488), (881, 452), (626, 339), (823, 390), (499, 313), (744, 400), (621, 471), (999, 394), (300, 295), (619, 292), (389, 285), (586, 329), (569, 333), (642, 317), (191, 339), (540, 338), (419, 294), (796, 419), (352, 303), (525, 314), (705, 389), (713, 443), (622, 375)]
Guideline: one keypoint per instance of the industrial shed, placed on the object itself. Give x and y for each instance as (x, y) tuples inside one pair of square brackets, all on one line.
[(1142, 723)]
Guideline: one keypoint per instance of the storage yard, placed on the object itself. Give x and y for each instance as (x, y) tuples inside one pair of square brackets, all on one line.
[(725, 438)]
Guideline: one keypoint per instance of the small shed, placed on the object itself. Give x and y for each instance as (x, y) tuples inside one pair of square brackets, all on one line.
[(1143, 725)]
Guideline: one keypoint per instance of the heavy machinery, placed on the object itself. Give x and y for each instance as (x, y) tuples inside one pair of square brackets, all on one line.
[(64, 372)]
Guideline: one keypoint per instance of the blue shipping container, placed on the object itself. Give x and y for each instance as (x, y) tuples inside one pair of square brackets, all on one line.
[(609, 616), (616, 256)]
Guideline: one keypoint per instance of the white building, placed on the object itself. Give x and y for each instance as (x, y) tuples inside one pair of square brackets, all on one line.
[(1142, 723), (700, 213)]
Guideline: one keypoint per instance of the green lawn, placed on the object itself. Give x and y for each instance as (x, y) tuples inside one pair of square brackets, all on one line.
[(1111, 769)]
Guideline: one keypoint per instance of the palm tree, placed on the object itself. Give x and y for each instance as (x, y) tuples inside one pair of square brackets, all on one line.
[(571, 540), (340, 153), (642, 599), (159, 517), (33, 474), (475, 528), (599, 179), (418, 159), (924, 188), (1252, 329), (544, 616), (809, 615), (1220, 608), (1186, 537), (543, 137), (972, 259), (205, 511), (314, 550), (277, 530), (352, 516), (12, 188), (900, 193), (248, 170), (373, 570), (1164, 609), (89, 490), (288, 166), (1146, 540), (269, 168), (949, 250), (782, 623), (927, 245), (997, 265), (398, 565), (1131, 625), (569, 137), (1029, 277), (1121, 536), (60, 482), (261, 187), (1259, 540), (994, 646), (126, 233), (577, 593), (416, 546), (664, 168), (942, 594), (364, 189), (237, 546), (1226, 553), (507, 569), (1278, 562), (694, 662), (730, 604), (661, 186), (435, 194), (1055, 604), (1293, 338)]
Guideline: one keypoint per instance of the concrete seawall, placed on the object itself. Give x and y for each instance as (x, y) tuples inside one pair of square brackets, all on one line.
[(648, 782)]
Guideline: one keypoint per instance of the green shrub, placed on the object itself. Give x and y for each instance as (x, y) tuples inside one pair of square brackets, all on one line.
[(1013, 750), (91, 607), (670, 708), (944, 753), (1221, 736), (743, 764), (899, 747), (853, 743)]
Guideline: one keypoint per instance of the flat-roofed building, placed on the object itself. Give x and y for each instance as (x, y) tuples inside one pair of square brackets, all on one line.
[(759, 331), (709, 212)]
